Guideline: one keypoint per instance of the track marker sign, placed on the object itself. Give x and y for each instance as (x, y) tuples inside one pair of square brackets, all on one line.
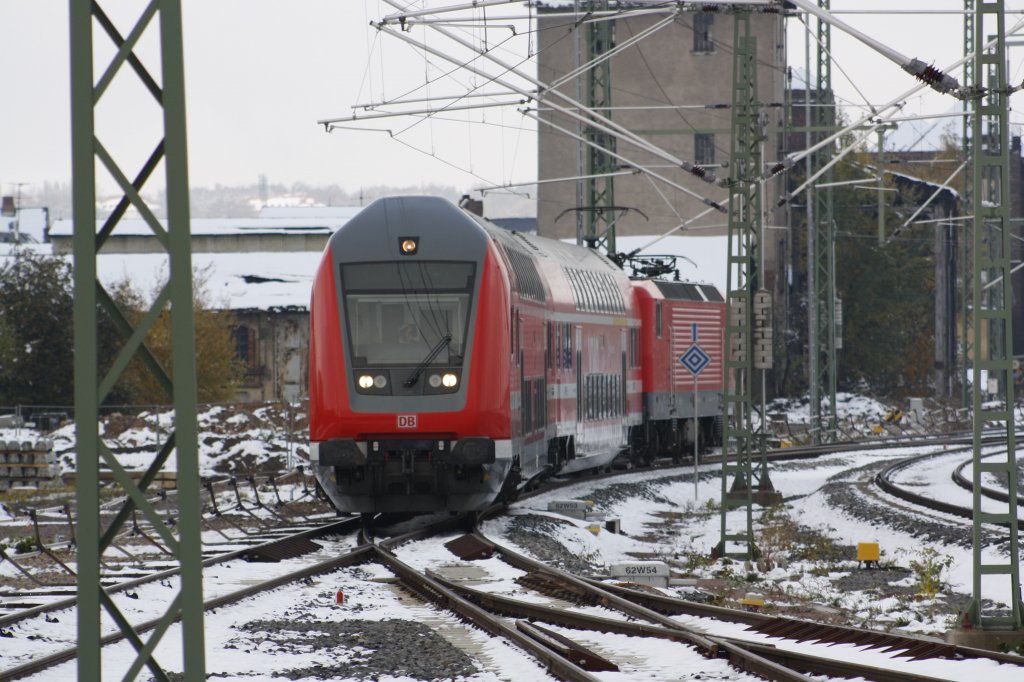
[(695, 359)]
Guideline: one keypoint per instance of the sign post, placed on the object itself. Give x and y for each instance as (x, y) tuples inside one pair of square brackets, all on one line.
[(695, 360)]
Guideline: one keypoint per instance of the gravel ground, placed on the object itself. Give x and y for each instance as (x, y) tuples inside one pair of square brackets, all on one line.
[(848, 491), (604, 498), (874, 579), (358, 649), (533, 533)]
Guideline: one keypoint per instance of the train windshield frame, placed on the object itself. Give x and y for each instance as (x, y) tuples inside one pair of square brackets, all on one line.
[(397, 312)]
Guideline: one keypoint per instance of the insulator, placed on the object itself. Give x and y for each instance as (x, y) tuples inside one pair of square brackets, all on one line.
[(698, 171), (934, 77), (715, 205), (776, 169)]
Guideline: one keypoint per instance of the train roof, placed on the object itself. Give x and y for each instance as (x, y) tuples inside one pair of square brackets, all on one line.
[(587, 280), (679, 291)]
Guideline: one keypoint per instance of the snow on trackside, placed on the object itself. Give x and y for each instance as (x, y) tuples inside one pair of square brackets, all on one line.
[(664, 516), (232, 439)]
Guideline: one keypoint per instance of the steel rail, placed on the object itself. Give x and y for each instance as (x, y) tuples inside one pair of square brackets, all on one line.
[(433, 591), (819, 665), (884, 481), (356, 555), (343, 526), (709, 646), (780, 626), (795, 628), (993, 493), (803, 662), (361, 553)]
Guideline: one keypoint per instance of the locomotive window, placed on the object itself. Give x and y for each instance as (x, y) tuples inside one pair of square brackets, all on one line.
[(398, 313), (657, 319)]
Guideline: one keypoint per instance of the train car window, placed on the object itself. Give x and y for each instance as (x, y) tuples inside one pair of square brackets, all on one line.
[(527, 281), (657, 319), (558, 346), (549, 347), (568, 346), (591, 397), (398, 313), (526, 408), (541, 403)]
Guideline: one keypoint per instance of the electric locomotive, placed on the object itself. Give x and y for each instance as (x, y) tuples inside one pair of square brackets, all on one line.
[(452, 361)]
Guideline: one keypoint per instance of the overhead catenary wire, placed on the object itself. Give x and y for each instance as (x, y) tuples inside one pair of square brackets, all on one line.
[(938, 190), (931, 76), (895, 103), (402, 16), (605, 56), (709, 202), (697, 170), (572, 178), (433, 98), (674, 8), (828, 54), (636, 9), (596, 121), (423, 112), (675, 229)]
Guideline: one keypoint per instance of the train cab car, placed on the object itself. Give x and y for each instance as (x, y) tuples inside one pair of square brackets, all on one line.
[(452, 361), (409, 346), (682, 346)]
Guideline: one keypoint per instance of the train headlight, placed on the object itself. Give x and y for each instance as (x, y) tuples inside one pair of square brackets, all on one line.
[(449, 380), (380, 381), (409, 245), (365, 381), (434, 380)]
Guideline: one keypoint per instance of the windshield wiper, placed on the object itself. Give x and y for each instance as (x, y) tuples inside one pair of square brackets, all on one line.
[(415, 376)]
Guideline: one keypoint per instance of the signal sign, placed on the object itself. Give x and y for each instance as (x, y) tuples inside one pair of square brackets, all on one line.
[(695, 359)]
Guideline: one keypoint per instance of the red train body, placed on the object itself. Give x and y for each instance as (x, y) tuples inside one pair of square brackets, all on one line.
[(452, 361)]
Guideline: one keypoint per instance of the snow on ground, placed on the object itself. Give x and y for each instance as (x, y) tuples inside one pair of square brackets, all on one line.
[(232, 439), (665, 517)]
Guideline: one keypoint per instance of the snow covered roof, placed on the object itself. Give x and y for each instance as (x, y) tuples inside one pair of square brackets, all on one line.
[(303, 224), (932, 186), (234, 281), (333, 213), (282, 280)]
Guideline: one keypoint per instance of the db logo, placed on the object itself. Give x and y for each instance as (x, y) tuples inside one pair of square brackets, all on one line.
[(407, 421)]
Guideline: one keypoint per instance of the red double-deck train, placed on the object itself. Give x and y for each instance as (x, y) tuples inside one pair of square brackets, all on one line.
[(452, 361)]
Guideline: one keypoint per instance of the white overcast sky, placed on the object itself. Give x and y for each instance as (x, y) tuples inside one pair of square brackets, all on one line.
[(259, 73)]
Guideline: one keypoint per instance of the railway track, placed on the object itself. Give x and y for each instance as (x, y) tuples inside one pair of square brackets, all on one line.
[(884, 480), (135, 558), (648, 615), (557, 636)]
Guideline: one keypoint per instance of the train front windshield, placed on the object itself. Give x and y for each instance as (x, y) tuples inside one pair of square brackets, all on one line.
[(400, 313)]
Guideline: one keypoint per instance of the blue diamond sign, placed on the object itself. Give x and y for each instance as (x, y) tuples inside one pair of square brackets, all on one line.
[(695, 359)]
